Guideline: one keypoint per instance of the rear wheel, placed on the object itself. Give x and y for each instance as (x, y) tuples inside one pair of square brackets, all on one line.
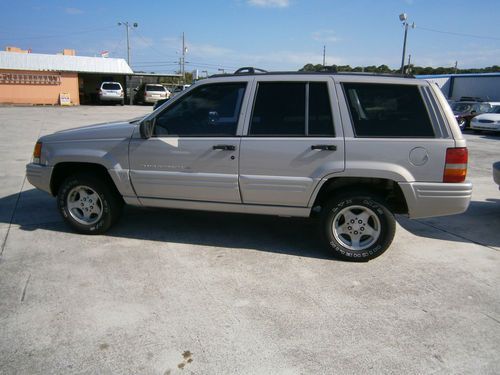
[(357, 226), (87, 204)]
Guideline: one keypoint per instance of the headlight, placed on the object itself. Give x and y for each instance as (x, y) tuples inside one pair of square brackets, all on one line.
[(37, 153)]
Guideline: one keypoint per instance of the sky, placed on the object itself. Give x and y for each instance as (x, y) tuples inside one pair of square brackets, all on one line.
[(269, 34)]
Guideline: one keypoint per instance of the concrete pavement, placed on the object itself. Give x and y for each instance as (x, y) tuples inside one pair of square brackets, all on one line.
[(169, 291)]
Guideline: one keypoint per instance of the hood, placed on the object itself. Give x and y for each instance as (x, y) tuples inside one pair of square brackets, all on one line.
[(109, 130)]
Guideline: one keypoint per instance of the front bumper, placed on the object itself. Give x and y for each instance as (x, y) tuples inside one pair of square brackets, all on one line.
[(486, 127), (39, 176), (428, 199)]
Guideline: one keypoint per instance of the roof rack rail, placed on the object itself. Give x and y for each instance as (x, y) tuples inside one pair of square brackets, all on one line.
[(249, 70)]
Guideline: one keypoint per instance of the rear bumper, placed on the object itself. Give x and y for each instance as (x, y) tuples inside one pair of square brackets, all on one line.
[(39, 176), (110, 98), (427, 199), (149, 99)]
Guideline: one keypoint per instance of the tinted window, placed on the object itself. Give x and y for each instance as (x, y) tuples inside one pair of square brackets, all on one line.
[(279, 109), (155, 88), (209, 110), (111, 86), (382, 110), (320, 111)]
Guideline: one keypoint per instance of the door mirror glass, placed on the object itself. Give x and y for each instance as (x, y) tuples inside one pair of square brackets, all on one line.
[(147, 128)]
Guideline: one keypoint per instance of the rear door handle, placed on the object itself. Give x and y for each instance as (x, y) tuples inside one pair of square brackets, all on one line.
[(324, 147), (224, 147)]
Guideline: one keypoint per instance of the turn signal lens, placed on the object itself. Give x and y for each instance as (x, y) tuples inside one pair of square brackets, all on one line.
[(37, 153), (455, 169)]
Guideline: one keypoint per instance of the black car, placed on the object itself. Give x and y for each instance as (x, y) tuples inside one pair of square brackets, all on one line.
[(465, 111)]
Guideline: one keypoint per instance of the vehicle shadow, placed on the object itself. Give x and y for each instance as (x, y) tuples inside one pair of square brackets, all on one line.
[(479, 224), (292, 236)]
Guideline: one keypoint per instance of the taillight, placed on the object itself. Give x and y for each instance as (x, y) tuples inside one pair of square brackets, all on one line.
[(455, 168), (37, 153)]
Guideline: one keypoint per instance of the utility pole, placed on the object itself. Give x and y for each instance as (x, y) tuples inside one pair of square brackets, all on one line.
[(127, 26), (456, 67), (183, 68), (408, 69), (403, 17), (324, 55)]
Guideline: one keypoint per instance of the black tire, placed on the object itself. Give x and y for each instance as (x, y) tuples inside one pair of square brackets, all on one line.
[(369, 214), (108, 202), (122, 103)]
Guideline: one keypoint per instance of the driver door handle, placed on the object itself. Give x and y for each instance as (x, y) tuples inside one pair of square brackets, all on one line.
[(324, 147), (224, 147)]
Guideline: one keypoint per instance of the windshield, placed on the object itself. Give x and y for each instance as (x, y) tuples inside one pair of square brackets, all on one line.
[(155, 88), (495, 109), (111, 86), (461, 107)]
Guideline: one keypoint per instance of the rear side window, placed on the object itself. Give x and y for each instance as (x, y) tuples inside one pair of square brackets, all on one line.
[(280, 110), (384, 110), (111, 86), (155, 88)]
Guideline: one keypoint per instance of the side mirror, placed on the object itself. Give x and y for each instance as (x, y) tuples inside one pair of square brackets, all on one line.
[(213, 117), (146, 128)]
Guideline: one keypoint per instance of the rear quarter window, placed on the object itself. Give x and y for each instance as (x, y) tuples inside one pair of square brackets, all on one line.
[(387, 110)]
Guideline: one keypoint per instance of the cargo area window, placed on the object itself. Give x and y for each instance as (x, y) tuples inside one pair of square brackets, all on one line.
[(386, 110), (292, 109), (208, 110)]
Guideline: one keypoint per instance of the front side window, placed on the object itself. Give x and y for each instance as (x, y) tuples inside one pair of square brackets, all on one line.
[(385, 110), (280, 110), (209, 110)]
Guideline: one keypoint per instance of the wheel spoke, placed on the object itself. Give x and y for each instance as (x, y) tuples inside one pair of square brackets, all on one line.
[(342, 229), (365, 216), (355, 239), (73, 204)]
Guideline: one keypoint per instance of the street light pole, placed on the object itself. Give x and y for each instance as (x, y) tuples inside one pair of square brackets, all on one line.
[(127, 26), (403, 17)]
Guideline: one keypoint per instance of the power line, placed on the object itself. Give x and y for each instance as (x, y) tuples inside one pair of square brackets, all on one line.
[(457, 34)]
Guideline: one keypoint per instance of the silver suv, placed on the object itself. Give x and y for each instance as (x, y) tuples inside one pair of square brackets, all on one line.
[(111, 92), (349, 149)]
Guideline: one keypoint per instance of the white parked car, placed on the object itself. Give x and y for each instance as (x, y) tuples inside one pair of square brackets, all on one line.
[(111, 92), (487, 121)]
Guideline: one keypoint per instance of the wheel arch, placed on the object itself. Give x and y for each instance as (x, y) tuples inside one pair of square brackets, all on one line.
[(387, 189), (63, 170)]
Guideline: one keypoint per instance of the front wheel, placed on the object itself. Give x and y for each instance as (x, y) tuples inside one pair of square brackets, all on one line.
[(87, 204), (358, 226)]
